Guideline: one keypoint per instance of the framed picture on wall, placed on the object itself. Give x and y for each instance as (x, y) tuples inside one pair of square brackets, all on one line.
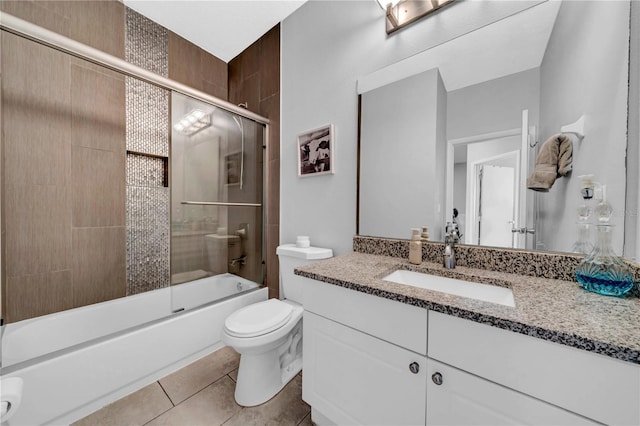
[(233, 167), (316, 155)]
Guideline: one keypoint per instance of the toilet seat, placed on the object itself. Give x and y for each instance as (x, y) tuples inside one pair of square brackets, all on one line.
[(258, 319)]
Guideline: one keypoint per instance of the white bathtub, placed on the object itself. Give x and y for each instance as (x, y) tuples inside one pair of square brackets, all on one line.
[(77, 361)]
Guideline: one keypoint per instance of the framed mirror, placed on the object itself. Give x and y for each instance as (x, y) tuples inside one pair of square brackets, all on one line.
[(460, 126)]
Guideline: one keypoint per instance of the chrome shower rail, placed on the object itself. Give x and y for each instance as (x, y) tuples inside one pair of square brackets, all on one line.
[(64, 44), (219, 203)]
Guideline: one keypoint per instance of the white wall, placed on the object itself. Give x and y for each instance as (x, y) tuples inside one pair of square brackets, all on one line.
[(493, 106), (592, 82), (399, 127), (631, 228), (325, 47), (460, 193)]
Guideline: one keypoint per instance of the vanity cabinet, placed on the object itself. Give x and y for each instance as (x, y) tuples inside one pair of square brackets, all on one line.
[(455, 397), (366, 361), (364, 357), (353, 378), (591, 385)]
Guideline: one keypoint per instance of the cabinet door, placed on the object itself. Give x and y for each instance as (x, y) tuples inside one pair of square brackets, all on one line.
[(464, 399), (593, 385), (354, 378)]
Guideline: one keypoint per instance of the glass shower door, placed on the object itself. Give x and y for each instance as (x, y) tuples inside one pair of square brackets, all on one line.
[(216, 181)]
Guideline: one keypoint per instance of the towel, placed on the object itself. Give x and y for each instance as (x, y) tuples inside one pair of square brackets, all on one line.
[(554, 159)]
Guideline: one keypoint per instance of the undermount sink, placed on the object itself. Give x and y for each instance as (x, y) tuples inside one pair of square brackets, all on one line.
[(472, 290)]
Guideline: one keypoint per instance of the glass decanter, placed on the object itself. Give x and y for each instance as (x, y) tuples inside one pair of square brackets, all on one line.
[(602, 271)]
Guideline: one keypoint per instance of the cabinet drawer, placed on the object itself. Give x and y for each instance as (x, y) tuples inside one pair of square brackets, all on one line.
[(353, 378), (395, 322), (592, 385), (464, 399)]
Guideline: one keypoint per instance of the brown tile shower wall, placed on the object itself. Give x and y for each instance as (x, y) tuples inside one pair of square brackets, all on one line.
[(63, 143), (76, 206), (254, 79), (195, 67)]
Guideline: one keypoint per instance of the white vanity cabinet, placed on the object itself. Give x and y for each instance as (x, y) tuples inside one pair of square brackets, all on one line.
[(366, 361), (455, 397), (353, 378), (364, 357), (580, 382)]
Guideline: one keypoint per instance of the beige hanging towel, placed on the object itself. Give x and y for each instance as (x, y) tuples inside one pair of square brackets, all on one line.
[(554, 159)]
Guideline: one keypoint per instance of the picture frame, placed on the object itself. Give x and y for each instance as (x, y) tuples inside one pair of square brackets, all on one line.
[(316, 153), (232, 166)]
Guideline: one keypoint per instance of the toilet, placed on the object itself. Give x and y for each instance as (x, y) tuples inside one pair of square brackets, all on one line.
[(220, 248), (268, 335)]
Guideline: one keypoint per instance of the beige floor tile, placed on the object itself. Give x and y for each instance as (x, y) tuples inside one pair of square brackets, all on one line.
[(200, 374), (212, 406), (135, 409), (286, 408), (234, 375), (306, 421)]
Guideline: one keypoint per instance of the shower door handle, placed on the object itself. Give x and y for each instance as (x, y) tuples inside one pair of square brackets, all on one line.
[(220, 203)]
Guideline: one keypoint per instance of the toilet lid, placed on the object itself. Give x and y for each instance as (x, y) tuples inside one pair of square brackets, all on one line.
[(258, 319)]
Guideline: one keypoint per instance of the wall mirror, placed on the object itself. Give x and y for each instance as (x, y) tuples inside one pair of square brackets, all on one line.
[(460, 126)]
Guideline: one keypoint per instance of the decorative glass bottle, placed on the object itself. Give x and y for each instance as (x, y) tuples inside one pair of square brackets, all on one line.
[(602, 271)]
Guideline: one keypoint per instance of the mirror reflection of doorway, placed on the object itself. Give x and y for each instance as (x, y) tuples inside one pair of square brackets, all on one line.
[(488, 207), (506, 148), (495, 208)]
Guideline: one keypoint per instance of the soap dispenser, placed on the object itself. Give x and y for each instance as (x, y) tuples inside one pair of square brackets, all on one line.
[(602, 271), (415, 247), (425, 234), (583, 243)]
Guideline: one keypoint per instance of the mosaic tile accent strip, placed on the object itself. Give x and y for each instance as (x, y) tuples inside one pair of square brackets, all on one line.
[(548, 309), (147, 118), (147, 43), (559, 266), (147, 132), (147, 239), (143, 170)]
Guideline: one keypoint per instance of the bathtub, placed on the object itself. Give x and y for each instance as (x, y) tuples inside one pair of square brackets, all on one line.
[(75, 362)]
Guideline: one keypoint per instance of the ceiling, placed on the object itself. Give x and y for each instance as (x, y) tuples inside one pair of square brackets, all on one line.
[(223, 28)]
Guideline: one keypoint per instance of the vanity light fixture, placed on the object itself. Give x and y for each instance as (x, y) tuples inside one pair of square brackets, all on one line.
[(193, 122), (401, 13)]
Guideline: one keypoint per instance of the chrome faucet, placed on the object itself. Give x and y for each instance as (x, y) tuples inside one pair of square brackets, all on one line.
[(239, 260), (449, 258), (452, 236)]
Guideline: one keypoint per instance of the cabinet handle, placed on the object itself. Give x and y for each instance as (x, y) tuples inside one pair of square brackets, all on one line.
[(437, 378), (414, 367)]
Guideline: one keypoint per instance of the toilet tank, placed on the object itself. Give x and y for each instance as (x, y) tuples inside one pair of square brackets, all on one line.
[(291, 257)]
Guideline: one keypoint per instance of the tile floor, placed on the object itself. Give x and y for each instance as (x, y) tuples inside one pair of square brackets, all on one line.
[(202, 394)]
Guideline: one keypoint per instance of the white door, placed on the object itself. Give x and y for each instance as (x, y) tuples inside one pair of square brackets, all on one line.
[(353, 378), (496, 204), (461, 398), (489, 145), (524, 210)]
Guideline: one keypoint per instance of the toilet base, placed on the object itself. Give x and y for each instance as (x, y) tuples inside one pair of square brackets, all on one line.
[(260, 377)]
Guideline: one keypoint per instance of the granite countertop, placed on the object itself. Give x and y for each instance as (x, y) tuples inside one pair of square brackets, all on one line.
[(549, 309)]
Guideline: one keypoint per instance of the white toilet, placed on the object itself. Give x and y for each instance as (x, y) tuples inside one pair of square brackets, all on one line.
[(220, 249), (268, 335)]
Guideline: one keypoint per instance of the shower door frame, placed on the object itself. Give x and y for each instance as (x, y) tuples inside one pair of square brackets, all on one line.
[(51, 39), (64, 44)]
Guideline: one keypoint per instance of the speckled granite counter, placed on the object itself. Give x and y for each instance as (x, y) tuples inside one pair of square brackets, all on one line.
[(549, 309)]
